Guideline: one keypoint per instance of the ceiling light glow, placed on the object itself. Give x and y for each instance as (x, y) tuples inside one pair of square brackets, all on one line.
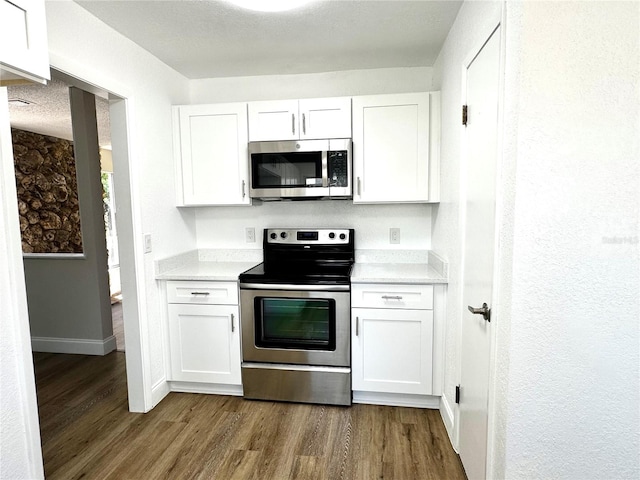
[(269, 5)]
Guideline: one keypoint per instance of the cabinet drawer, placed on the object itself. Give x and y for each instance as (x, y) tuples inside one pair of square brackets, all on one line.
[(403, 296), (208, 293)]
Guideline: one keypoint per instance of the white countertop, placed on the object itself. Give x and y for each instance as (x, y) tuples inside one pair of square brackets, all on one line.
[(371, 266), (395, 273), (212, 271)]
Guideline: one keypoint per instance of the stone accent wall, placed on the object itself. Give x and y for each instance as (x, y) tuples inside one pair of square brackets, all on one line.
[(47, 193)]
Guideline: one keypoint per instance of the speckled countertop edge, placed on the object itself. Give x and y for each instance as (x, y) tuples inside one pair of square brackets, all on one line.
[(372, 266)]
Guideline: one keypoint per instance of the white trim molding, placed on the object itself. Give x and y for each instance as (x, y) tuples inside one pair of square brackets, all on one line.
[(448, 418), (397, 399), (207, 388), (82, 346)]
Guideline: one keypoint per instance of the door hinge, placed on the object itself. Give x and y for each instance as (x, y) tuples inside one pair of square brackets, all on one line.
[(464, 115), (457, 393)]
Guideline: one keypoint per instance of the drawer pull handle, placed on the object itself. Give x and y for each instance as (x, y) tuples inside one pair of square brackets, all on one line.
[(200, 293), (392, 297), (233, 327)]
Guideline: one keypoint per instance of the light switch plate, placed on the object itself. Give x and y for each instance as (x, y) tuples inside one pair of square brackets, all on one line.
[(250, 235), (147, 243)]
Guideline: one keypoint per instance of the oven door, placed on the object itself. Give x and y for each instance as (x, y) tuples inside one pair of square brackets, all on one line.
[(296, 326)]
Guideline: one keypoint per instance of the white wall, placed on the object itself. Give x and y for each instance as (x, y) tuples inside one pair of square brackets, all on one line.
[(84, 47), (571, 370), (312, 85), (224, 227), (473, 25)]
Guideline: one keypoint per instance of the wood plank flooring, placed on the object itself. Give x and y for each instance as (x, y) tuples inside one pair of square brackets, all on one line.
[(87, 432), (118, 325)]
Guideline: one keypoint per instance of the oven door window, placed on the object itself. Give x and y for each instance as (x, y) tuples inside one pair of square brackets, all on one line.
[(295, 323), (286, 170)]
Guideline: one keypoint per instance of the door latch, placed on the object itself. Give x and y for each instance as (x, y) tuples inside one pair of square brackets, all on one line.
[(485, 311)]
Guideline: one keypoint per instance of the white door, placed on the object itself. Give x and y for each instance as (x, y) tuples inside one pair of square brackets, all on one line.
[(482, 77)]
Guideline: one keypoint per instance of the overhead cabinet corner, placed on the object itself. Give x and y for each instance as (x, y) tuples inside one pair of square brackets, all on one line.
[(210, 143), (314, 118), (396, 148), (24, 52)]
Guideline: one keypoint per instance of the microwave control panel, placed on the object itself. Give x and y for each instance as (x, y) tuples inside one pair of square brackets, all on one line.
[(338, 164)]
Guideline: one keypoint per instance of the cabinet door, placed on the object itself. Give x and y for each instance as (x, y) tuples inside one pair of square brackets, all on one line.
[(273, 120), (204, 343), (392, 350), (325, 118), (24, 52), (391, 148), (212, 163)]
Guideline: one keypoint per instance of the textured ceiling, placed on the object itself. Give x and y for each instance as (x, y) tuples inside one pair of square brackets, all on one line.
[(212, 38), (49, 112)]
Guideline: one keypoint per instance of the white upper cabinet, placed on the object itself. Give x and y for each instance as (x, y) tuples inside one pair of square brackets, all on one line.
[(396, 148), (315, 118), (24, 53), (325, 118), (211, 154)]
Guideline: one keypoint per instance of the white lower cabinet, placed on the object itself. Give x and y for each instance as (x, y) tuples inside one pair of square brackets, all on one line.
[(204, 338), (392, 343), (391, 350)]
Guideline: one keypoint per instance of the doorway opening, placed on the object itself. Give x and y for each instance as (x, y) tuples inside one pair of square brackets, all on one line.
[(62, 230)]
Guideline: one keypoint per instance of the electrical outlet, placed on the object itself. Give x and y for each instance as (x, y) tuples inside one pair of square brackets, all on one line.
[(394, 235), (250, 235), (147, 243)]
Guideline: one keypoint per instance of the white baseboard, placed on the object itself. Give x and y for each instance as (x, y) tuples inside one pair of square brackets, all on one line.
[(209, 388), (448, 418), (82, 346), (159, 391), (397, 399)]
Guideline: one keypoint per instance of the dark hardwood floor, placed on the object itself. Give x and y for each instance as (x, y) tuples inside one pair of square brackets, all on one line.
[(87, 432)]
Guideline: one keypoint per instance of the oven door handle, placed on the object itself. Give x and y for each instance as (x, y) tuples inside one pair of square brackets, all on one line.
[(306, 288)]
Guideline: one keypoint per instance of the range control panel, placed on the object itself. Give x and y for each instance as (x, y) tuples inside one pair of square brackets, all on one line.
[(330, 236)]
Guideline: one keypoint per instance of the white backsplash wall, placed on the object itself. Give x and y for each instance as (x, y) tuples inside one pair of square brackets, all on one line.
[(224, 227)]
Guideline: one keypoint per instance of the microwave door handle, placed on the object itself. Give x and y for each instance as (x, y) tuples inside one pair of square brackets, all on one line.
[(325, 170)]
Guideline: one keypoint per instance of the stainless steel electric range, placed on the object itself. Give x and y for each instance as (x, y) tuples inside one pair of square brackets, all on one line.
[(295, 314)]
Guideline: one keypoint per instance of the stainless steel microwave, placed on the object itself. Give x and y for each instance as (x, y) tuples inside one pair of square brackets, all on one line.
[(299, 169)]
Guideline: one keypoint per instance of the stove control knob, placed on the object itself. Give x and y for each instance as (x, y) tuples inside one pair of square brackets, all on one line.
[(273, 235), (332, 235), (342, 236), (283, 235)]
